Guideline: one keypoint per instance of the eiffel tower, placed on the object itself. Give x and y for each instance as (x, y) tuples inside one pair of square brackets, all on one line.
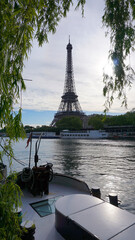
[(69, 105)]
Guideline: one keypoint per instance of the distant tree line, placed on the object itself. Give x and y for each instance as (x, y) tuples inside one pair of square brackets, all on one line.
[(70, 123), (96, 121), (100, 121)]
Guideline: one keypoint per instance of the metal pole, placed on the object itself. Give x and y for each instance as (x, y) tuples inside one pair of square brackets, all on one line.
[(30, 150)]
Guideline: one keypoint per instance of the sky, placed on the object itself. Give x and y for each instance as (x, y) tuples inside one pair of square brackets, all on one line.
[(46, 67)]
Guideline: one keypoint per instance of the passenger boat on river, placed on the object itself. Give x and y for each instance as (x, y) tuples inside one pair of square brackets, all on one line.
[(84, 134)]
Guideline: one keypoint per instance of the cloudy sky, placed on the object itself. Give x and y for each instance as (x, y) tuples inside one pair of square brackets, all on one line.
[(46, 67)]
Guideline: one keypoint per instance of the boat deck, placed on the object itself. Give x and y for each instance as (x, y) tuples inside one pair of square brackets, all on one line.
[(76, 214), (45, 226)]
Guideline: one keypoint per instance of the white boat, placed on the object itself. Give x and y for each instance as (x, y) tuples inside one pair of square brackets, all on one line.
[(84, 134), (44, 135)]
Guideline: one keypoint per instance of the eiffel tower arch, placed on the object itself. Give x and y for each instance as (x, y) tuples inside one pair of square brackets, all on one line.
[(69, 105)]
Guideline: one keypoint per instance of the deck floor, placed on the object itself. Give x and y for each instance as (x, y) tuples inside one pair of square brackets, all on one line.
[(45, 226), (93, 215)]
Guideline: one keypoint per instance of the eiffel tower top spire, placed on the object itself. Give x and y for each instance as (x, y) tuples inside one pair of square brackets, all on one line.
[(69, 105)]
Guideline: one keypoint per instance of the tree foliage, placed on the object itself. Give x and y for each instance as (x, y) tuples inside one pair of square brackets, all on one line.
[(9, 201), (121, 120), (119, 19), (98, 121), (42, 128), (70, 123)]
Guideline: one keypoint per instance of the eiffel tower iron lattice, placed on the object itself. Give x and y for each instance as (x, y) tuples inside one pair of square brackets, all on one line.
[(69, 105)]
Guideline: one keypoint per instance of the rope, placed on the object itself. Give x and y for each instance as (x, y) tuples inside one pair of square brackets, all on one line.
[(19, 161), (26, 175)]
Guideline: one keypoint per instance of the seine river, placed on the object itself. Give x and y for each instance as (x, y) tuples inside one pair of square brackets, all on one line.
[(108, 164)]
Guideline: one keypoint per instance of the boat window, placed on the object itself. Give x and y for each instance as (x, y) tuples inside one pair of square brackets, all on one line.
[(45, 207)]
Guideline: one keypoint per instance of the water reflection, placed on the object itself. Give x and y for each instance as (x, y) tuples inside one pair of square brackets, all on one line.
[(68, 157)]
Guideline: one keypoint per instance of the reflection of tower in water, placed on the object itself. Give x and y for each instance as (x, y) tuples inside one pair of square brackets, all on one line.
[(69, 159)]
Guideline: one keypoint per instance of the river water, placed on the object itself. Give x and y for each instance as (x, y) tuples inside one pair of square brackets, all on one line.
[(108, 164)]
